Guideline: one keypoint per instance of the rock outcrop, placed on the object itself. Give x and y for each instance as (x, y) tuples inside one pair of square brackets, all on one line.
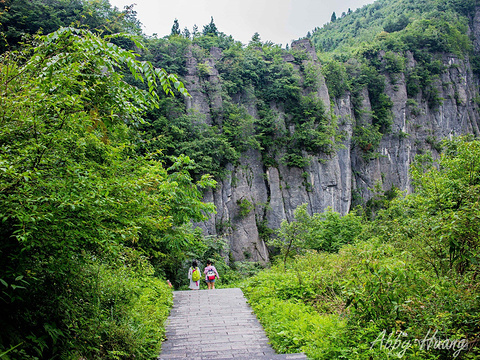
[(254, 197)]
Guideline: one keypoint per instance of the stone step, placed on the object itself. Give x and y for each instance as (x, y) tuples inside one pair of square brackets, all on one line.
[(270, 357), (234, 356)]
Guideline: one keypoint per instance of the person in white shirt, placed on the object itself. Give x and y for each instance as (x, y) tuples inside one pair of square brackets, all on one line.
[(194, 285)]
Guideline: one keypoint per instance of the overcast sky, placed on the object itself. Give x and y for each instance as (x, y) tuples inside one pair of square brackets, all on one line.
[(279, 21)]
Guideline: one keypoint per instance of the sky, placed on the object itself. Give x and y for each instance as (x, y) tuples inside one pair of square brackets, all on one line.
[(279, 21)]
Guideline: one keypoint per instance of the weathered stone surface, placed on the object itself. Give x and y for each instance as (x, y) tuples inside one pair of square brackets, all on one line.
[(476, 29), (416, 130), (245, 242), (306, 45), (201, 100)]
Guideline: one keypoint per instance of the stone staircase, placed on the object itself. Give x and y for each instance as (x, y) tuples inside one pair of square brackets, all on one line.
[(216, 325)]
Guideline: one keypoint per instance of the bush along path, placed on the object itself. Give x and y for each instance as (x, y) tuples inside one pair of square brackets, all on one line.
[(216, 324)]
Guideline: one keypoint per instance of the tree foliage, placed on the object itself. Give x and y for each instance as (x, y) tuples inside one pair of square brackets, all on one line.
[(74, 191), (446, 201), (19, 18), (175, 28), (210, 29), (326, 231)]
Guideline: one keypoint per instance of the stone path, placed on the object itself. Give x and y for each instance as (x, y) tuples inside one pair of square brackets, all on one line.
[(216, 325)]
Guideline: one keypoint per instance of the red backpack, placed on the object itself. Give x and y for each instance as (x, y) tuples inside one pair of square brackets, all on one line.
[(211, 274)]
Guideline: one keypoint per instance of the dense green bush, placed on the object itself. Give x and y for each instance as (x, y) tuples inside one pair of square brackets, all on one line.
[(336, 78), (26, 17), (96, 310), (367, 138), (173, 134), (326, 231), (339, 305)]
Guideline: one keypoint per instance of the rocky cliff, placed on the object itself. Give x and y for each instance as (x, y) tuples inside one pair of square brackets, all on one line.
[(417, 127), (254, 197)]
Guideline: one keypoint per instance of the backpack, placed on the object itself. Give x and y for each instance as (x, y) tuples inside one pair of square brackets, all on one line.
[(211, 274), (196, 275)]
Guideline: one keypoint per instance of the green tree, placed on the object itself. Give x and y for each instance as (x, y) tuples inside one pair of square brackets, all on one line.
[(447, 208), (336, 78), (326, 231), (26, 17), (210, 29), (73, 187), (195, 31), (256, 40), (186, 33), (291, 235), (175, 28), (398, 24)]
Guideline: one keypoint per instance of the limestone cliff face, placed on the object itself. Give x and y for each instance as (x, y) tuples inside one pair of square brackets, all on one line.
[(417, 127), (329, 181)]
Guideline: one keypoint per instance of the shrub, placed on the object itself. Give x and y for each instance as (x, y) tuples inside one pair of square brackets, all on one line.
[(245, 207), (336, 78), (367, 138), (99, 309), (126, 311)]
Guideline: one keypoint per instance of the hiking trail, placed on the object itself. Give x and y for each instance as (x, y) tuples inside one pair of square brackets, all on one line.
[(216, 325)]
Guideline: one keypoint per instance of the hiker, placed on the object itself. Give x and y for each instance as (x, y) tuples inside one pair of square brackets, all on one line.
[(210, 274), (194, 276)]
